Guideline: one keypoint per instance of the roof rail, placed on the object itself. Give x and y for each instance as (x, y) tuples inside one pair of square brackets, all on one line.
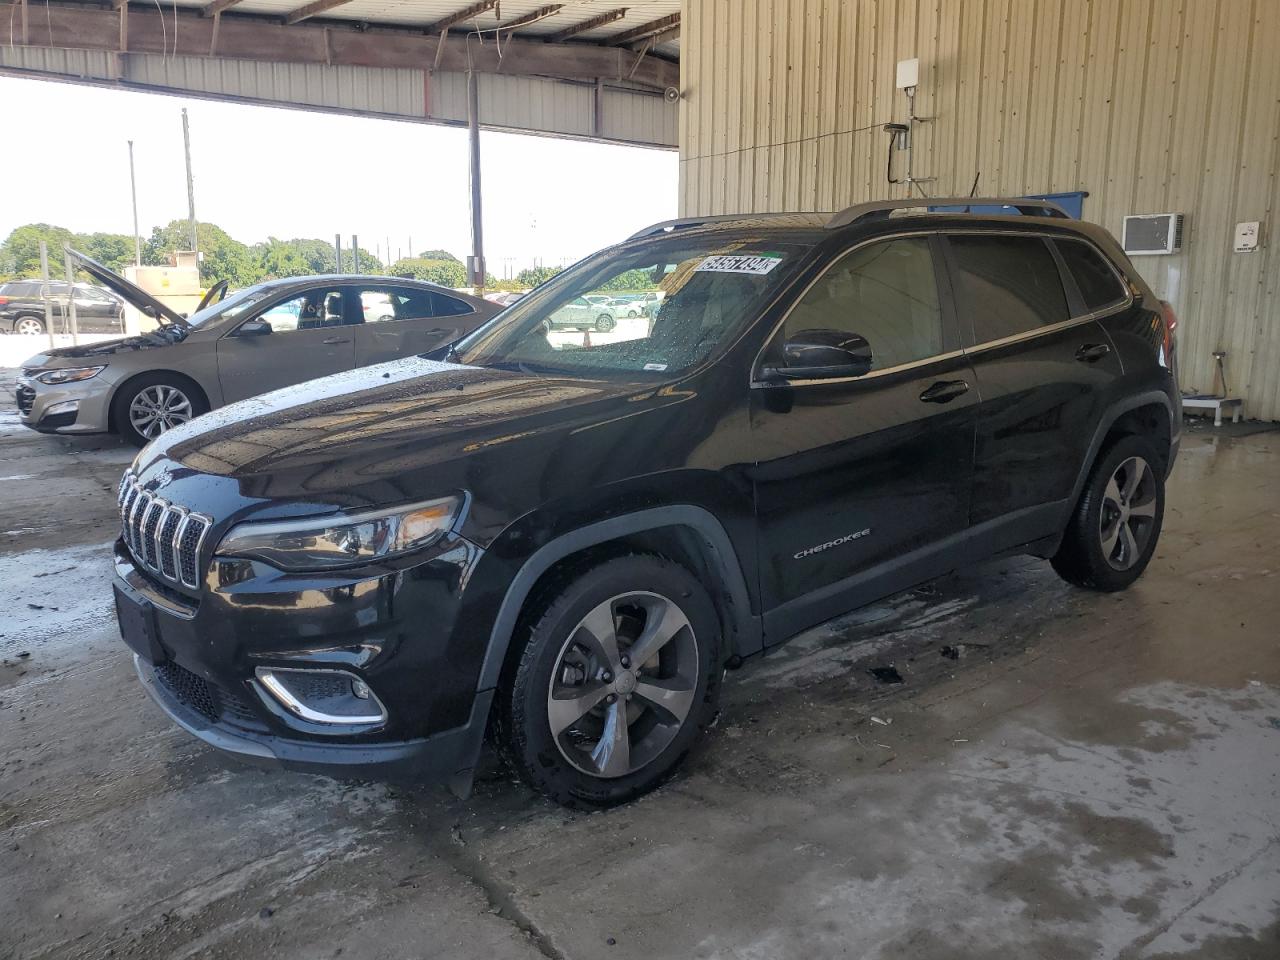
[(688, 223), (880, 209)]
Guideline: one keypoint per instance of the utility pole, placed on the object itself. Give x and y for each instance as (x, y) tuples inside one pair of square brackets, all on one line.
[(137, 237), (355, 254), (475, 263), (337, 252), (388, 239), (191, 188), (44, 291)]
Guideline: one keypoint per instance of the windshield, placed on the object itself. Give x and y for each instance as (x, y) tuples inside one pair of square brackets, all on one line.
[(652, 311), (234, 305)]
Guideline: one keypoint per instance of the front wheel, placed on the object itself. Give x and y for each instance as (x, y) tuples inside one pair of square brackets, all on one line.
[(29, 325), (618, 676), (154, 403), (1113, 533)]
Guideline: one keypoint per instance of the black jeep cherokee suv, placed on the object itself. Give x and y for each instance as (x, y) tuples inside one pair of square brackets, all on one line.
[(565, 536)]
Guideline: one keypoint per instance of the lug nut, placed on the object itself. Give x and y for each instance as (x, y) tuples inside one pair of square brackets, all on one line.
[(607, 677), (626, 661), (611, 698)]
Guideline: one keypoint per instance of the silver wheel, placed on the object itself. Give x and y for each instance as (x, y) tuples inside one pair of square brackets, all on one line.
[(157, 408), (623, 685), (28, 325), (1128, 513)]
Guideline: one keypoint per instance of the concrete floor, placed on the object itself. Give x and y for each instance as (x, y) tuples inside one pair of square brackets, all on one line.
[(1094, 776)]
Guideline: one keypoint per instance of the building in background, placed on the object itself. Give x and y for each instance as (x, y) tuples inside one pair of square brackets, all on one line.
[(1147, 106)]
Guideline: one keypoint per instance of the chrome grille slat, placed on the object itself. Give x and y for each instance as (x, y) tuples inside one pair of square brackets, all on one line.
[(162, 537)]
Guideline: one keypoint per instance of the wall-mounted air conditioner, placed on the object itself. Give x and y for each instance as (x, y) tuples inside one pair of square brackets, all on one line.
[(1153, 233)]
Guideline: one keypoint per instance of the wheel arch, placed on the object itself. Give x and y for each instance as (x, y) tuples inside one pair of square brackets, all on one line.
[(1138, 414), (123, 384), (684, 533)]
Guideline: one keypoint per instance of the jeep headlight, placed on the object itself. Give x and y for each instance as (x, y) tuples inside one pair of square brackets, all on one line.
[(70, 374), (342, 539)]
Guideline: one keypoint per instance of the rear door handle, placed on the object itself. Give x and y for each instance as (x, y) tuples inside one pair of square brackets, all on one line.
[(330, 341), (1092, 352), (944, 391)]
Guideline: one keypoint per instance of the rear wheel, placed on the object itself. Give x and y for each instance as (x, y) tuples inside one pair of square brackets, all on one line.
[(605, 322), (28, 325), (148, 406), (1116, 525), (619, 675)]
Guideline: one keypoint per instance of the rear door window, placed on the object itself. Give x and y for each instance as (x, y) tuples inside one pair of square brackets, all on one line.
[(1007, 285), (1099, 286)]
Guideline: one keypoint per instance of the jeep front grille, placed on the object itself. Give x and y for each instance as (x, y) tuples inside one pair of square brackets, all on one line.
[(162, 537)]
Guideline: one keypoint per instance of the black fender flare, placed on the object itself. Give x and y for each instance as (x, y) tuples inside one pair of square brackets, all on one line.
[(701, 521), (1113, 413)]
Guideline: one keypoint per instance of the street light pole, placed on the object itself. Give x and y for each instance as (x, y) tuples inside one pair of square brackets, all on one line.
[(137, 237), (191, 189)]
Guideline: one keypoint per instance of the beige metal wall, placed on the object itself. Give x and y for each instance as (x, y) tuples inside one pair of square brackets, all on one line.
[(1152, 106)]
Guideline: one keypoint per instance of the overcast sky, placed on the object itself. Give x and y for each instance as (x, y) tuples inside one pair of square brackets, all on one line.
[(263, 171)]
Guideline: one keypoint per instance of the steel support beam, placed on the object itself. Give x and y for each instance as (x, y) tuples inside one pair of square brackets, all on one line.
[(252, 38), (533, 17), (462, 16), (217, 6), (601, 21), (645, 30), (311, 10), (475, 266)]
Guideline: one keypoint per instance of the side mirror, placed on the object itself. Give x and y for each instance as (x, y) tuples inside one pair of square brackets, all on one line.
[(819, 354), (254, 328)]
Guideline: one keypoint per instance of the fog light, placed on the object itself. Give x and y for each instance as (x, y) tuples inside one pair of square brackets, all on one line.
[(321, 695), (66, 406)]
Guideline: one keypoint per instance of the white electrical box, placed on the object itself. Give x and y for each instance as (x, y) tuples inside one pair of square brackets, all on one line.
[(909, 73), (1153, 233), (1247, 236)]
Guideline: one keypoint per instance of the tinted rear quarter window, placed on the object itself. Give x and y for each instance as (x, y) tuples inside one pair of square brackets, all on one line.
[(1097, 281), (1007, 285), (448, 306)]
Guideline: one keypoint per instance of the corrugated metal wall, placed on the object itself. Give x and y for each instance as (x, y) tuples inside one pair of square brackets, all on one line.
[(527, 104), (1152, 106)]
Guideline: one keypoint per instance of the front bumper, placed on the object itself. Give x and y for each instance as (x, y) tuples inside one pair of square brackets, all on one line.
[(197, 656), (449, 756), (37, 402)]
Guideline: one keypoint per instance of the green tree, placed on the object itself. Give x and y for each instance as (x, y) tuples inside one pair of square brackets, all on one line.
[(20, 253), (631, 280), (113, 250), (224, 258), (447, 273), (438, 255), (536, 275)]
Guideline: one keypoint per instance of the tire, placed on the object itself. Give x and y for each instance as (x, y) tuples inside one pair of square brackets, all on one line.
[(605, 322), (1113, 532), (32, 326), (178, 398), (568, 641)]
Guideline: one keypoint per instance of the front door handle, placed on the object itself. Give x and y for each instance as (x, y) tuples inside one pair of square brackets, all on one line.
[(1092, 352), (330, 341), (944, 391)]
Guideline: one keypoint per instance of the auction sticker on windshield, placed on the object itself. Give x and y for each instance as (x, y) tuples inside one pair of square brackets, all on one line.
[(757, 265)]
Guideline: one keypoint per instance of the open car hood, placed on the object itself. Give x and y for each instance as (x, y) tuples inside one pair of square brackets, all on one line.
[(134, 294)]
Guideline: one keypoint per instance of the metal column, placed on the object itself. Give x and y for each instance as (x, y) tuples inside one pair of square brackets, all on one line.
[(475, 263)]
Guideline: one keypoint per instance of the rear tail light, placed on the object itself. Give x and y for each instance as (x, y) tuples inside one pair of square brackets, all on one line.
[(3, 301), (1170, 325)]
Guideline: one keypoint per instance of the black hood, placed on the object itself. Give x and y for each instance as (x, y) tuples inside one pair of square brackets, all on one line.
[(346, 432), (134, 294)]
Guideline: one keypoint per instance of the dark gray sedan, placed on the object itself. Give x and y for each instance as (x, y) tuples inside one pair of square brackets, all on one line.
[(267, 336)]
